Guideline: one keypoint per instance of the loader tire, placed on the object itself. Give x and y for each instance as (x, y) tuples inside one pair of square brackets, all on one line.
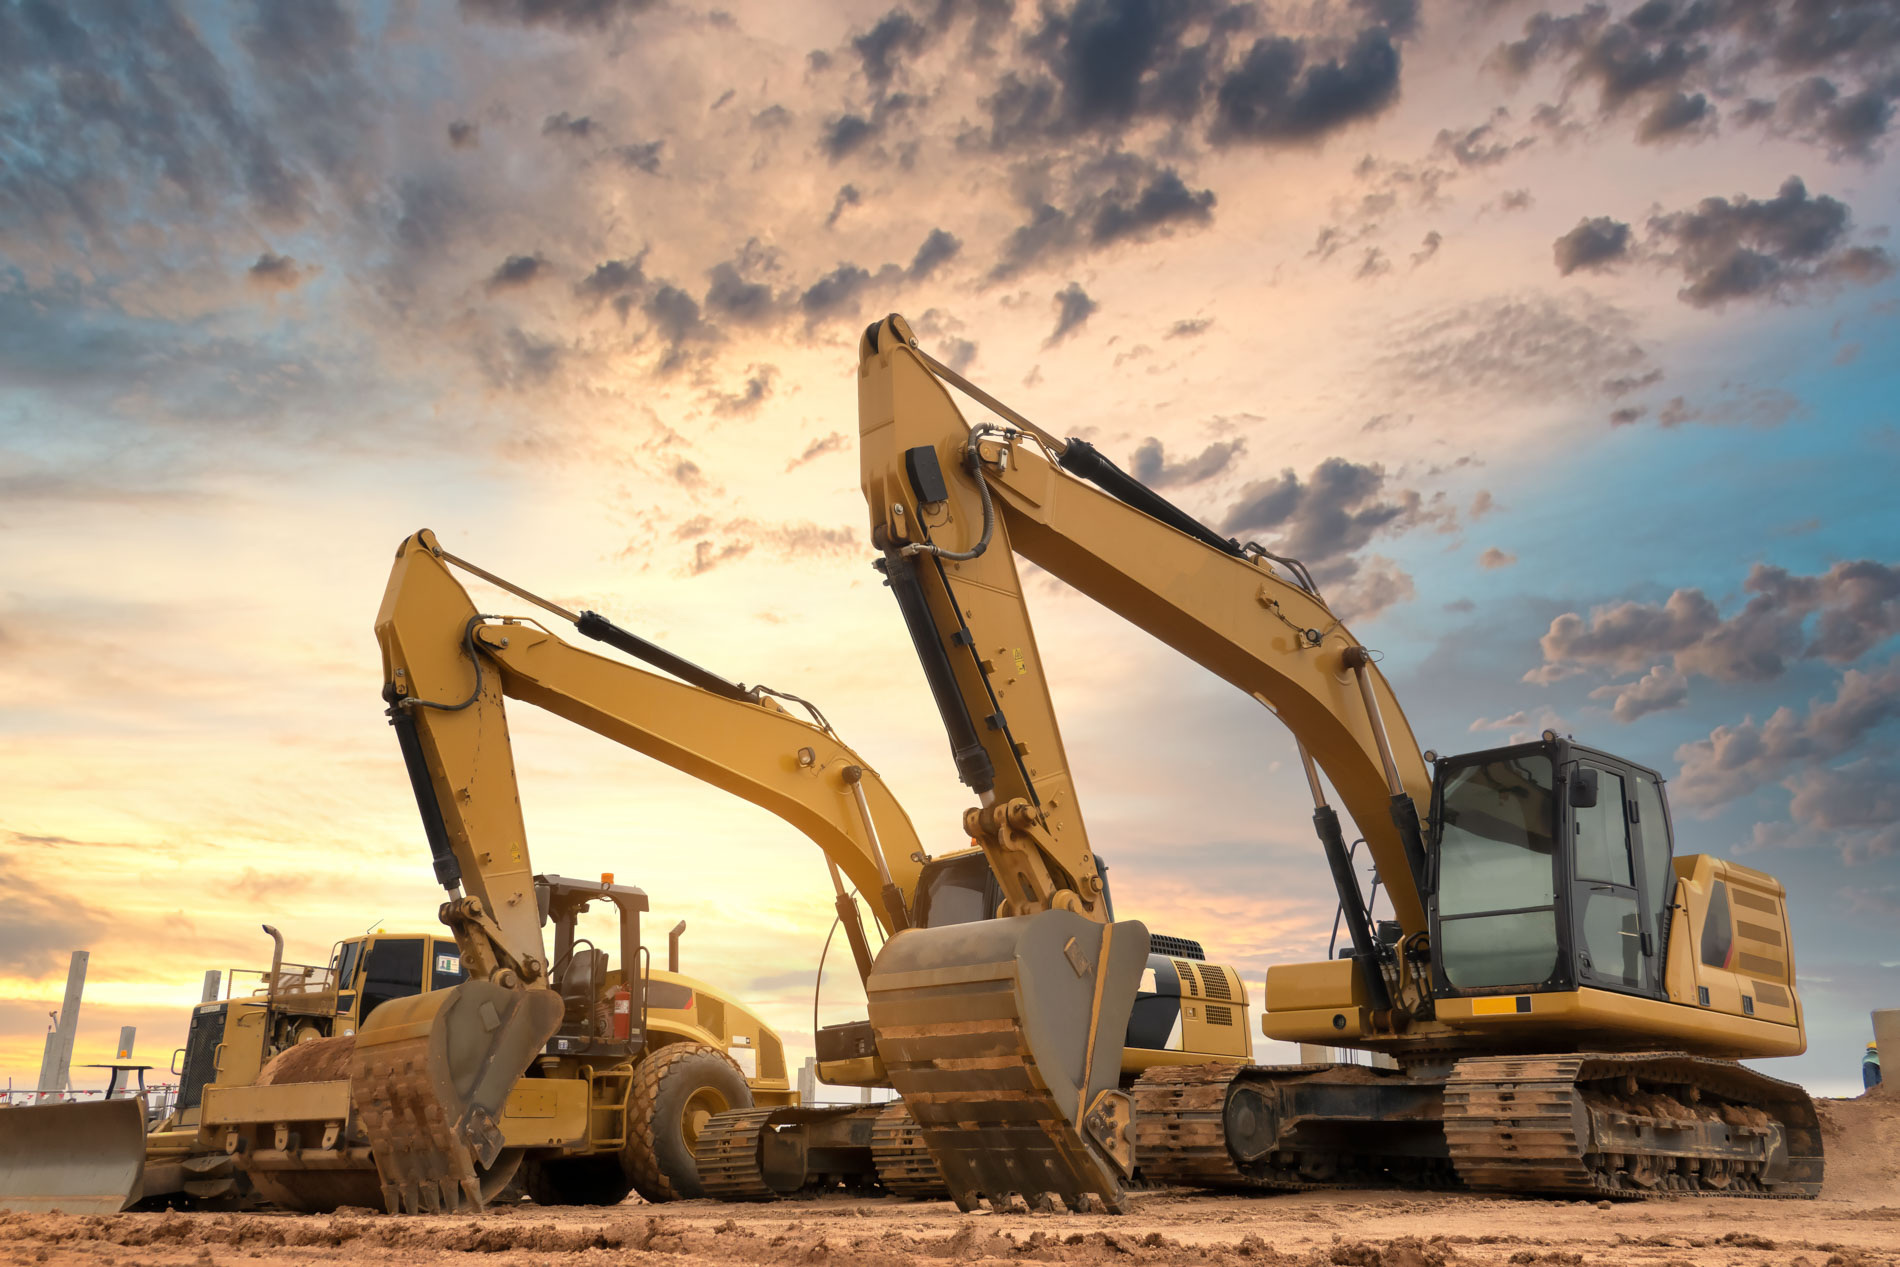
[(674, 1091)]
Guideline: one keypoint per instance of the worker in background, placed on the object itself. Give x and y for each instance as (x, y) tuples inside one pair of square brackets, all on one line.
[(1870, 1066)]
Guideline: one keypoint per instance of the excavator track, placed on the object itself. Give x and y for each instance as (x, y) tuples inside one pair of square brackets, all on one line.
[(728, 1156), (1220, 1126), (904, 1164), (1630, 1126)]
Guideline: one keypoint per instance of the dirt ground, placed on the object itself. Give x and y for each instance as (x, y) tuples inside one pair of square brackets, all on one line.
[(1855, 1223)]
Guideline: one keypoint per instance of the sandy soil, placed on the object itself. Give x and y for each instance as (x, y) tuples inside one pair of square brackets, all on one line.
[(1855, 1223)]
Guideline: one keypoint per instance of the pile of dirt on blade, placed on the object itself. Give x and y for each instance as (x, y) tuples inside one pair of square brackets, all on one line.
[(319, 1060), (187, 1239), (1862, 1141)]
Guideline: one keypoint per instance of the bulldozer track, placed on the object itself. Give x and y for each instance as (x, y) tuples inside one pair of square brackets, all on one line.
[(425, 1167), (904, 1164), (1525, 1124), (728, 1156)]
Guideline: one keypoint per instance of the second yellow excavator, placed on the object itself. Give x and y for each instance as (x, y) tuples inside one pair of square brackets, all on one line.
[(1565, 998), (431, 1076)]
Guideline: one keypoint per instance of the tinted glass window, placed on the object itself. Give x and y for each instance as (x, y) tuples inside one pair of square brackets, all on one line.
[(1496, 883), (1494, 851), (393, 971), (1652, 824), (1603, 840), (1718, 934), (346, 965), (1612, 937), (956, 890)]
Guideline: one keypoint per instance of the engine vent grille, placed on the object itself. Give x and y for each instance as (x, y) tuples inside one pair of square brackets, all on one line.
[(1215, 979), (1189, 979), (1219, 1014)]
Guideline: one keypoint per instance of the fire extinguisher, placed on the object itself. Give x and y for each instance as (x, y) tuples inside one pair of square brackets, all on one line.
[(620, 998)]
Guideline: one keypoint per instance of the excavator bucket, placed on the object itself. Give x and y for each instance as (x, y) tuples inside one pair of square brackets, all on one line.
[(76, 1158), (1004, 1037), (428, 1080)]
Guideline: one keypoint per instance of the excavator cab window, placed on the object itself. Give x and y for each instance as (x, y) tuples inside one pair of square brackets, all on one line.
[(957, 888), (392, 970), (1495, 908)]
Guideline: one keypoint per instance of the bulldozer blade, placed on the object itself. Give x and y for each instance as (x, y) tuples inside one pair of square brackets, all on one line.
[(80, 1158), (1004, 1037), (428, 1079)]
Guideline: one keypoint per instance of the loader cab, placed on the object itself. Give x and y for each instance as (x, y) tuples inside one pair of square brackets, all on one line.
[(371, 970), (1551, 871)]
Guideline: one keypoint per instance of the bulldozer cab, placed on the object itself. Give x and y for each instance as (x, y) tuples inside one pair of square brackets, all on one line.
[(1552, 871), (370, 971)]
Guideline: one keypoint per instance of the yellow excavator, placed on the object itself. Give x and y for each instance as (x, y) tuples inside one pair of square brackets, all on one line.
[(448, 669), (1564, 998)]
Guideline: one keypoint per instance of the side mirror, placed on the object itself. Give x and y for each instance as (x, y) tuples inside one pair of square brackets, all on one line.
[(1583, 787)]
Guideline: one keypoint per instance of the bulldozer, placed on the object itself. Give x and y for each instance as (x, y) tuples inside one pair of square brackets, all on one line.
[(240, 1129), (1565, 999)]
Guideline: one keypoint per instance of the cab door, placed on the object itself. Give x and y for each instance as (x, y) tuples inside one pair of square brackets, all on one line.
[(1612, 934)]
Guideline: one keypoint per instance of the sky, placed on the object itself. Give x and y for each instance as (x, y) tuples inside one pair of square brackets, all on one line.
[(1561, 341)]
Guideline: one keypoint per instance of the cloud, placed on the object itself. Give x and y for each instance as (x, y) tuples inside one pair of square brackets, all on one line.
[(1666, 62), (757, 388), (640, 156), (939, 248), (42, 924), (1744, 248), (1073, 309), (1513, 348), (574, 15), (1189, 328), (464, 135), (1103, 202), (1594, 244), (1150, 464), (1734, 761), (1659, 689), (566, 127), (835, 292), (848, 196), (1854, 607), (1494, 558), (275, 272), (674, 316), (1281, 93), (832, 443), (620, 282), (515, 272)]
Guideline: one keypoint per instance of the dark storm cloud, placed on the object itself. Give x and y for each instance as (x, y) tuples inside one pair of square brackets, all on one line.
[(516, 271), (1280, 94), (1150, 464), (1073, 309), (1836, 616), (573, 15), (1667, 58), (848, 196), (1747, 248), (880, 48), (1594, 244), (1164, 200), (617, 282), (464, 135), (733, 296), (939, 248)]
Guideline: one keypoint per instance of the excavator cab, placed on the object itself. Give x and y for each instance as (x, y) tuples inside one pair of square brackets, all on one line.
[(1552, 871)]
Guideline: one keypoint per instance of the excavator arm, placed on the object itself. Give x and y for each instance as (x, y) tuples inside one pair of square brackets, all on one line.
[(431, 1072)]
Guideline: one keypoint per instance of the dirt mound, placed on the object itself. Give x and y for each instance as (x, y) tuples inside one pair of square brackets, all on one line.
[(1862, 1139), (319, 1060)]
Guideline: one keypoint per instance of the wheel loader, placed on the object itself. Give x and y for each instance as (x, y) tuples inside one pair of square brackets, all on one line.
[(248, 1127), (1566, 999)]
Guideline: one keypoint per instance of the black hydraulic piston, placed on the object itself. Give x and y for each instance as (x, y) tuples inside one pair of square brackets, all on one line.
[(973, 763), (854, 933), (448, 872), (1412, 836), (1084, 459), (601, 629), (1365, 951)]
